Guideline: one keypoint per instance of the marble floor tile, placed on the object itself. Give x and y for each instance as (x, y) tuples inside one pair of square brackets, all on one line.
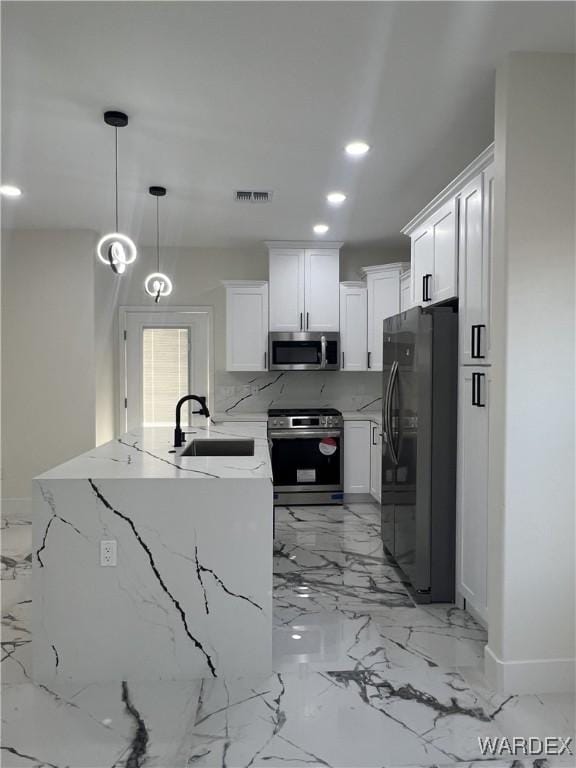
[(363, 677)]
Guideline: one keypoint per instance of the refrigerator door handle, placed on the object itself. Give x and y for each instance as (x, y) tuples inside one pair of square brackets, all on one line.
[(388, 412)]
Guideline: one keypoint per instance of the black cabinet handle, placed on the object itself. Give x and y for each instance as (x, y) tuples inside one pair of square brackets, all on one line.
[(476, 344), (374, 441), (426, 287), (307, 320), (477, 399), (265, 361), (369, 355), (342, 359), (301, 320)]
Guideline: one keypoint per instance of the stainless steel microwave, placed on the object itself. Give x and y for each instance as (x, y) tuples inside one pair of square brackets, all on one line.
[(304, 351)]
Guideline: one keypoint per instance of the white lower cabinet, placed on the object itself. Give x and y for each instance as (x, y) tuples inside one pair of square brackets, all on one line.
[(356, 457), (376, 461), (246, 325), (472, 499)]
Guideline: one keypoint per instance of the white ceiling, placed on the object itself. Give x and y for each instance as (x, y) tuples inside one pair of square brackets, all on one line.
[(259, 95)]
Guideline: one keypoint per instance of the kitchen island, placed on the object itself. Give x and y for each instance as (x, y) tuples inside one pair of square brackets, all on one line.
[(190, 595)]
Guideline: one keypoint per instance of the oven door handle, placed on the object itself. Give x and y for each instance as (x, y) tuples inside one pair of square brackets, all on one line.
[(298, 434)]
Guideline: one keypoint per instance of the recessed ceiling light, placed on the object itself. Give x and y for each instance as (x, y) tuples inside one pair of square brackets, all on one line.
[(296, 637), (335, 198), (321, 229), (10, 191), (357, 148)]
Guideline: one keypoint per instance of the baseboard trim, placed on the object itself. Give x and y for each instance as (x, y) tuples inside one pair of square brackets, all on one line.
[(532, 676), (16, 509)]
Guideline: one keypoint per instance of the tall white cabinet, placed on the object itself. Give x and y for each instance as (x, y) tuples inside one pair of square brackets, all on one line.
[(246, 325), (304, 286), (452, 245), (383, 287), (353, 326)]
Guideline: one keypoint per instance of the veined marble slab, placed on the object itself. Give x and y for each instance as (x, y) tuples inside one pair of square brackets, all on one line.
[(191, 595), (149, 453)]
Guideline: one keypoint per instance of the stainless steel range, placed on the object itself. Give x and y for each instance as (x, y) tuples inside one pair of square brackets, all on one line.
[(307, 446)]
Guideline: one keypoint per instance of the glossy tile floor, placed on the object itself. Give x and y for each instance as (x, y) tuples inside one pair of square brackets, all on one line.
[(362, 676)]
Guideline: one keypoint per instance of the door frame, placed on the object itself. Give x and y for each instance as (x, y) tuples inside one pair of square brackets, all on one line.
[(123, 314)]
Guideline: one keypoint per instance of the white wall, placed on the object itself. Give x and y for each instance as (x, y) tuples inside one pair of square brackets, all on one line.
[(531, 522), (48, 369)]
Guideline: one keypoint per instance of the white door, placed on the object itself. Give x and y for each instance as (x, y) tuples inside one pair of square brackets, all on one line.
[(422, 266), (286, 289), (383, 302), (322, 289), (165, 355), (353, 327), (472, 487), (445, 272), (246, 326), (356, 457), (471, 278), (376, 461)]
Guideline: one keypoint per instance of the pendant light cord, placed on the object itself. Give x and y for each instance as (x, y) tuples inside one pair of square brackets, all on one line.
[(158, 233), (116, 172)]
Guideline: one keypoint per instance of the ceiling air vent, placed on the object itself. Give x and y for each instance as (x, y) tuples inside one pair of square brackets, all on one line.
[(252, 196)]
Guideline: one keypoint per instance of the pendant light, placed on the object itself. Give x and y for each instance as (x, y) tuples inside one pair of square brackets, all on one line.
[(115, 249), (158, 284)]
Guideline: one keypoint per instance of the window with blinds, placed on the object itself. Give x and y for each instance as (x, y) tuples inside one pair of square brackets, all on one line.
[(165, 374)]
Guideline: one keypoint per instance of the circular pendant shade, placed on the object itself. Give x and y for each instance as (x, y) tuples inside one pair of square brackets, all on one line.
[(158, 284), (116, 250)]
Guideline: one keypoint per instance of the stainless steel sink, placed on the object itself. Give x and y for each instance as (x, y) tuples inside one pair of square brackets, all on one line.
[(203, 447)]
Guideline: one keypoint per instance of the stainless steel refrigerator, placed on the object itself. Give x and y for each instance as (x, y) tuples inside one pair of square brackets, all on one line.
[(420, 372)]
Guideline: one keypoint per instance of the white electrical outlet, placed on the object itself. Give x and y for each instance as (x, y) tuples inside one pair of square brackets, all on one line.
[(108, 553)]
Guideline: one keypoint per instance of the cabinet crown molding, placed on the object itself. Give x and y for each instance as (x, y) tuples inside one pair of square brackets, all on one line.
[(309, 244), (395, 266), (456, 185), (239, 283)]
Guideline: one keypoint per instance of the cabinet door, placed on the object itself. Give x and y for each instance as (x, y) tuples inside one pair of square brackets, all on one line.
[(471, 277), (356, 457), (286, 289), (474, 398), (383, 302), (376, 461), (322, 290), (353, 328), (485, 340), (246, 327), (445, 232), (422, 261), (405, 291)]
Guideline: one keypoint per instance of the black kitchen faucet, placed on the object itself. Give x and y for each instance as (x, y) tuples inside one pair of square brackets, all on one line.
[(178, 434)]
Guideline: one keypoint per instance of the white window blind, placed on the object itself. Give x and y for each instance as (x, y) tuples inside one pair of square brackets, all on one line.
[(165, 374)]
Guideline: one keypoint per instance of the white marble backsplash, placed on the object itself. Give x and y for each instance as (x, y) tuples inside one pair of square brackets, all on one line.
[(238, 393)]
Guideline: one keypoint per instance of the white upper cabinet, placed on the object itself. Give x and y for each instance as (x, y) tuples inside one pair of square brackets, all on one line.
[(451, 230), (304, 287), (435, 257), (286, 289), (475, 253), (322, 288), (406, 291), (383, 284), (246, 325), (353, 326)]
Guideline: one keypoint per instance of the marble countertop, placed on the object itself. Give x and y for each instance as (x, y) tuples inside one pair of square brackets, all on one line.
[(148, 453)]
